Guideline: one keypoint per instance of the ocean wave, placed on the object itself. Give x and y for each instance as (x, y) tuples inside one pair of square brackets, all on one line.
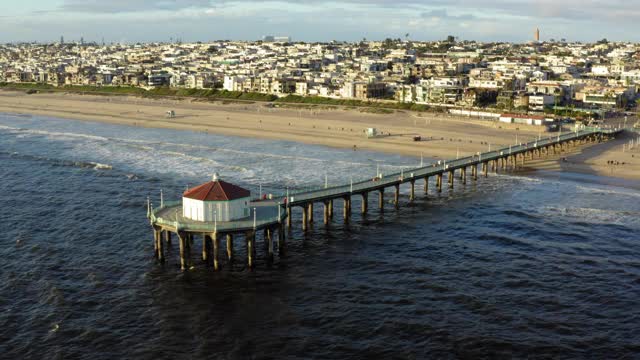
[(254, 154), (53, 133), (599, 191), (60, 162), (593, 215)]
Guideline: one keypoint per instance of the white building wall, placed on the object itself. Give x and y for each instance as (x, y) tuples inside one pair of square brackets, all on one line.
[(224, 210)]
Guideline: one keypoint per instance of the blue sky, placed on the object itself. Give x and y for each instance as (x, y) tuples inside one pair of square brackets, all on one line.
[(319, 20)]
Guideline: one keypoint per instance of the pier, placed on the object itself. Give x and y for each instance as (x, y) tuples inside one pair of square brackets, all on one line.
[(272, 217), (267, 217)]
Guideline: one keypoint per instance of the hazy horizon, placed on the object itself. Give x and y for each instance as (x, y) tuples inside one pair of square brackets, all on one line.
[(351, 20)]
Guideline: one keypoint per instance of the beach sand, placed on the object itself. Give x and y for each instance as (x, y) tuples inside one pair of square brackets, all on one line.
[(442, 136)]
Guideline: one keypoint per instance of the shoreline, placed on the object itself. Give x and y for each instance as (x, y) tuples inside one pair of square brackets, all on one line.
[(443, 137)]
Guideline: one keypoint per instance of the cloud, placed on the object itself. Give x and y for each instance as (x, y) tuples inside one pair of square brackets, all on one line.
[(123, 6), (444, 15), (501, 20), (543, 10)]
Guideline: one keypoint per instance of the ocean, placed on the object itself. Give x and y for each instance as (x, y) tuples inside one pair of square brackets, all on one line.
[(518, 265)]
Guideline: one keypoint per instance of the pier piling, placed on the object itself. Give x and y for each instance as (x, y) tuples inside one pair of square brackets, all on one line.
[(251, 248), (326, 213), (346, 206), (412, 194), (269, 239), (396, 198), (281, 241), (214, 241), (230, 247), (365, 203), (305, 217)]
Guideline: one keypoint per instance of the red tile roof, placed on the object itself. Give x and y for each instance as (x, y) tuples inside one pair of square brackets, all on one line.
[(216, 191)]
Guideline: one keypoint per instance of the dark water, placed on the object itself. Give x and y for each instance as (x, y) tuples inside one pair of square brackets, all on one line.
[(516, 266)]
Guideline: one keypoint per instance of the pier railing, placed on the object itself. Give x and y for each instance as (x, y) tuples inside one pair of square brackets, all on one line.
[(237, 225), (437, 167)]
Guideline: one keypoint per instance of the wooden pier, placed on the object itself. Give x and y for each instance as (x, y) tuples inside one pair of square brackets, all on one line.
[(271, 217), (268, 217)]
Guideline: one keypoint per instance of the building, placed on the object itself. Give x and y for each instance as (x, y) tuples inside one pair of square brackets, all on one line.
[(537, 35), (540, 102), (363, 90), (277, 39), (216, 200), (523, 119)]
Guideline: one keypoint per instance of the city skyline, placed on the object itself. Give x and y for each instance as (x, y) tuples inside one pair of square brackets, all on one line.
[(204, 20)]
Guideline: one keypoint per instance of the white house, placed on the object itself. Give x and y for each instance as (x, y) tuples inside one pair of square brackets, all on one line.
[(539, 102), (217, 200)]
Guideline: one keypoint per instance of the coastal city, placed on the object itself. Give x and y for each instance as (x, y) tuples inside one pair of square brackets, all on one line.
[(545, 79), (291, 179)]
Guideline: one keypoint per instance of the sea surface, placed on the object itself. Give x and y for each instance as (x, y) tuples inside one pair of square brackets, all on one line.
[(518, 265)]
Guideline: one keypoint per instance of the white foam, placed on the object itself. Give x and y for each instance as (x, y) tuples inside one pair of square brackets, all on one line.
[(610, 191), (594, 215)]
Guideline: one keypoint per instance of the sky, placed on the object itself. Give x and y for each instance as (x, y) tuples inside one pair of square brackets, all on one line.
[(319, 20)]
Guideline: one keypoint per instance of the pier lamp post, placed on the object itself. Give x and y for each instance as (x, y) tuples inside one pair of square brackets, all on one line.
[(161, 199), (560, 132), (254, 218), (148, 207), (215, 222), (351, 184), (260, 191), (326, 180), (377, 166), (279, 216), (421, 159)]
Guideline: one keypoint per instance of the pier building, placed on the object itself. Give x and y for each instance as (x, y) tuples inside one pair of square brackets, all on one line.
[(216, 200)]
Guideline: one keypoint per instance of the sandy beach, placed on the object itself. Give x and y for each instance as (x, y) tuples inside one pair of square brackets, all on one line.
[(442, 136)]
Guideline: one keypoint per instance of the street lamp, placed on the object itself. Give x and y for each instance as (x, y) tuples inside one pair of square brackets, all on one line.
[(254, 218)]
